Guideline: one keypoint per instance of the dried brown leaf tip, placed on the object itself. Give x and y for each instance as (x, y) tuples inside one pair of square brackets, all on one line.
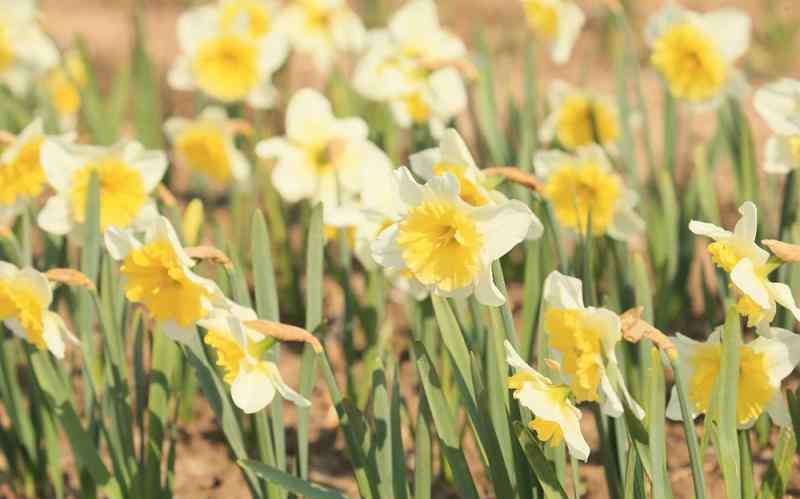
[(285, 332), (785, 251), (210, 254), (634, 328), (70, 277), (515, 175)]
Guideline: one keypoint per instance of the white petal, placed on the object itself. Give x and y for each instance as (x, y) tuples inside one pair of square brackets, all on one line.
[(778, 410), (486, 291), (38, 283), (414, 20), (503, 227), (611, 405), (386, 251), (410, 191), (423, 162), (151, 165), (55, 217), (52, 336), (180, 75), (777, 103), (515, 360), (547, 162), (561, 291), (745, 278), (730, 28), (571, 427), (454, 150), (674, 406), (252, 390), (447, 92), (570, 22), (59, 162), (175, 332), (274, 147), (747, 226), (347, 31), (783, 295), (309, 118), (708, 230), (782, 352), (294, 179), (284, 389)]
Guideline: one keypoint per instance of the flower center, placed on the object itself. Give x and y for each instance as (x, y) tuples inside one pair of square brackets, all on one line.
[(64, 85), (156, 279), (441, 245), (253, 13), (226, 67), (122, 192), (724, 254), (542, 18), (582, 121), (23, 176), (579, 188), (746, 307), (689, 61), (468, 191), (580, 347), (20, 302), (417, 108), (203, 148)]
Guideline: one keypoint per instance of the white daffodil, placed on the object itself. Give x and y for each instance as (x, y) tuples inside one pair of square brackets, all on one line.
[(695, 53), (582, 184), (320, 157), (322, 29), (221, 57), (763, 364), (26, 52), (239, 351), (25, 299), (579, 117), (413, 64), (557, 23), (127, 174), (206, 146), (447, 244), (555, 416), (158, 275), (748, 265), (257, 17), (583, 339), (779, 105)]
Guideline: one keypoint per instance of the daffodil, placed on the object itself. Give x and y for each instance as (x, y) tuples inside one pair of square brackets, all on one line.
[(127, 174), (64, 84), (579, 118), (322, 29), (556, 418), (222, 57), (26, 52), (556, 23), (158, 274), (206, 146), (763, 364), (447, 244), (583, 186), (583, 339), (239, 350), (779, 105), (695, 53), (25, 299), (748, 265), (413, 64), (321, 157)]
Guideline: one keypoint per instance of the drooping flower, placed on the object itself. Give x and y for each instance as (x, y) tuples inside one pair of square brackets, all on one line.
[(413, 64), (127, 174), (158, 274), (579, 118), (221, 56), (748, 265), (447, 244), (239, 350), (582, 339), (695, 53), (779, 105), (321, 157), (557, 23), (763, 364), (26, 52), (206, 146), (64, 85), (25, 299), (584, 184)]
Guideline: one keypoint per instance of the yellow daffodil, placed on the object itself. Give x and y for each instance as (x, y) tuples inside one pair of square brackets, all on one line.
[(556, 23), (239, 350), (582, 339), (206, 146), (447, 244), (158, 275), (321, 29), (25, 299), (779, 105), (26, 52), (321, 156), (413, 64), (127, 175), (556, 418), (584, 183), (695, 53), (64, 85), (763, 364), (748, 265), (222, 58), (579, 118)]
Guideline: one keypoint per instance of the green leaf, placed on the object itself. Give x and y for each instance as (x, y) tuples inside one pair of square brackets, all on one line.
[(728, 439), (146, 96), (542, 468), (422, 446), (779, 472), (289, 482), (695, 458), (657, 419)]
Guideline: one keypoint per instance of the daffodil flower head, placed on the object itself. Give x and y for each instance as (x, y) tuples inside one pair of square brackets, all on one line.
[(158, 274), (582, 339), (695, 53), (239, 350), (64, 84), (26, 52), (257, 16), (556, 23), (447, 244), (556, 418), (25, 298), (778, 103), (763, 364), (584, 184), (579, 118), (748, 265), (206, 146), (127, 174), (221, 57)]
